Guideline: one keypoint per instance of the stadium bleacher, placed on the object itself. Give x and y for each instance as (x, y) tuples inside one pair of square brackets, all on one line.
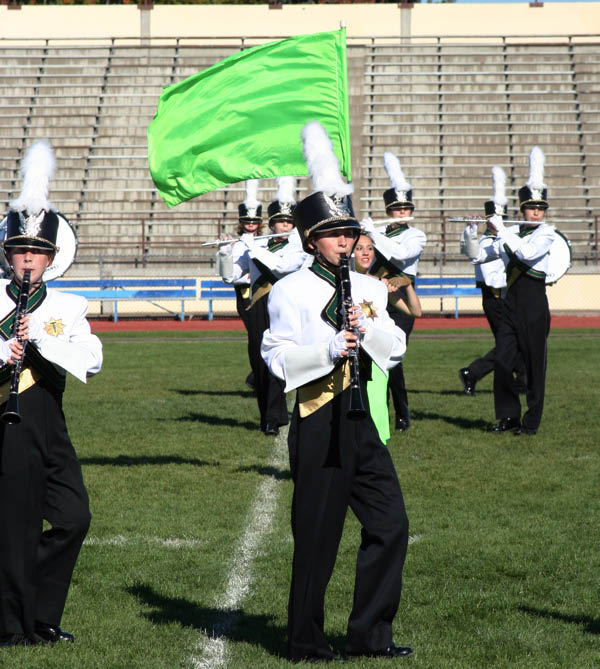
[(449, 110)]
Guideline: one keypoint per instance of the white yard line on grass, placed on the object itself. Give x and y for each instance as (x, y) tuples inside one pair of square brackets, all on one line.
[(211, 652)]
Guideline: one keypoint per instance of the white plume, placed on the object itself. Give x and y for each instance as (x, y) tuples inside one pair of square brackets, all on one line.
[(286, 187), (322, 163), (251, 200), (37, 169), (395, 173), (499, 183), (536, 169)]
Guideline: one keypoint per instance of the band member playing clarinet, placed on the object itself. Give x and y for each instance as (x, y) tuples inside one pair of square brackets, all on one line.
[(40, 476), (317, 323)]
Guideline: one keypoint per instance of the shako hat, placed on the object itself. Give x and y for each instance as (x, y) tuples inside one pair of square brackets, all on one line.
[(497, 206), (282, 208), (250, 209), (534, 193), (32, 222), (329, 207), (400, 195)]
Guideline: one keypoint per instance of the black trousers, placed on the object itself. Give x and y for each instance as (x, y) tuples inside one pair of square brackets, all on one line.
[(240, 304), (40, 480), (523, 331), (338, 463), (396, 382), (269, 389), (492, 308)]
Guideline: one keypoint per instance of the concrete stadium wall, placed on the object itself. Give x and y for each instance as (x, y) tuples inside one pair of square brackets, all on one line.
[(42, 22)]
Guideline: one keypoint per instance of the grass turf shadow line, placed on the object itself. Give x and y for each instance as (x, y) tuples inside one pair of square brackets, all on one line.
[(209, 419), (464, 423), (128, 461), (275, 472), (229, 393), (453, 393), (592, 625), (234, 625)]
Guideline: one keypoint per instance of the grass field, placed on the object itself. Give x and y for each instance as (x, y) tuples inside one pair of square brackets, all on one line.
[(187, 561)]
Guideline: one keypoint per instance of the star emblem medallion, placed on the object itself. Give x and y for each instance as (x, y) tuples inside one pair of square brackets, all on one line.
[(54, 327), (368, 310)]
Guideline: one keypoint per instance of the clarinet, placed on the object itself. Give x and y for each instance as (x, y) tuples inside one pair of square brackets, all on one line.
[(357, 408), (11, 414)]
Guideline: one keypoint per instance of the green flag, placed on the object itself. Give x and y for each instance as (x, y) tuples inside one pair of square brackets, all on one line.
[(241, 118)]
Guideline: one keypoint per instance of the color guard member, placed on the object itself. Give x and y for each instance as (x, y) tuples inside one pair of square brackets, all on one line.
[(397, 255)]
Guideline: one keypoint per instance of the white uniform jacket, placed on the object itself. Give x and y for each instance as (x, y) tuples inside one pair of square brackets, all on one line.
[(529, 248), (288, 258), (296, 346), (492, 273), (65, 337), (403, 250)]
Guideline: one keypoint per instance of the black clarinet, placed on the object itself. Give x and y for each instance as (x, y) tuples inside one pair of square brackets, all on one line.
[(11, 414), (357, 407)]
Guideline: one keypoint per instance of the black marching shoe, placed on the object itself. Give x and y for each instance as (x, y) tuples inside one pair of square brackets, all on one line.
[(467, 381), (271, 430), (401, 424), (526, 430), (390, 651), (52, 633), (506, 425), (7, 640)]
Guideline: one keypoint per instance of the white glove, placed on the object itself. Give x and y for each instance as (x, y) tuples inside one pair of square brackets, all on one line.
[(367, 226), (337, 345), (5, 352), (497, 222), (364, 323), (225, 250), (468, 243), (36, 331), (248, 239)]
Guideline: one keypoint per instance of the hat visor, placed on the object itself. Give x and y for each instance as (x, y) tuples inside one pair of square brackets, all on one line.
[(250, 219), (534, 204), (29, 243), (399, 205)]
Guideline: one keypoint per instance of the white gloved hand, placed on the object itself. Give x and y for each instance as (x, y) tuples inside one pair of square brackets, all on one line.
[(337, 345), (248, 239), (498, 222), (468, 243), (225, 250), (37, 333), (367, 226), (5, 352), (364, 323)]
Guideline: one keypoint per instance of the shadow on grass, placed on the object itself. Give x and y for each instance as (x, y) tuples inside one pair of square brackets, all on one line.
[(234, 625), (453, 393), (458, 421), (128, 461), (230, 393), (592, 625), (275, 472), (209, 419)]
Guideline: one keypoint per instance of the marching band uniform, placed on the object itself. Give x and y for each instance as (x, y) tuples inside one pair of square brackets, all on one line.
[(335, 461), (525, 319), (40, 475), (264, 265), (490, 277), (397, 253)]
